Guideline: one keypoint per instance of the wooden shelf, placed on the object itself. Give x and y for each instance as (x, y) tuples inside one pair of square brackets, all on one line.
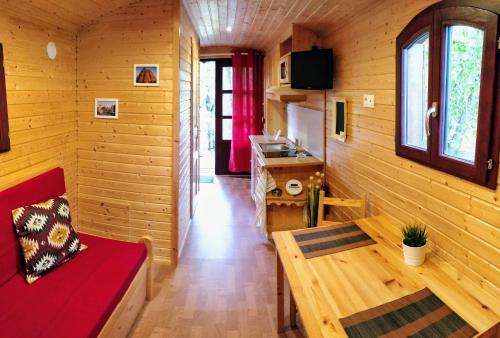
[(286, 97), (288, 203), (287, 94), (299, 200)]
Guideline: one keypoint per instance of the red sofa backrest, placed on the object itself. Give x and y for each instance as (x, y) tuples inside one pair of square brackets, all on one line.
[(35, 190)]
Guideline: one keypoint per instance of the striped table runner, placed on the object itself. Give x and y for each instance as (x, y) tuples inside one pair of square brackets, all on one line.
[(420, 314), (322, 241)]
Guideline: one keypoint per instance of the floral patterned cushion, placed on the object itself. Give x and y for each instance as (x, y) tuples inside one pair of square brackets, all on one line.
[(46, 236)]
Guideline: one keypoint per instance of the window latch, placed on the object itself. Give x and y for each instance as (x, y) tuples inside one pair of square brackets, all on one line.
[(432, 111), (490, 164)]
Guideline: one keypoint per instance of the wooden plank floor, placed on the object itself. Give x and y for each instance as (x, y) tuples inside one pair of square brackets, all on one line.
[(225, 282)]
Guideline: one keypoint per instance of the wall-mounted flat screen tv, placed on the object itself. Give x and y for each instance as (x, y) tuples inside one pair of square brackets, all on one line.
[(312, 69)]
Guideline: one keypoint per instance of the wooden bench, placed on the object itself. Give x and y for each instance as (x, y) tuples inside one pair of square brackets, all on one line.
[(98, 293)]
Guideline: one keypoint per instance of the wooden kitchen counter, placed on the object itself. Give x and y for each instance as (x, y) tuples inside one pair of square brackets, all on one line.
[(281, 161), (335, 286), (284, 212)]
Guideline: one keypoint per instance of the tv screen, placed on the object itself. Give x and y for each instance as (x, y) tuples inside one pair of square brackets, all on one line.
[(312, 69)]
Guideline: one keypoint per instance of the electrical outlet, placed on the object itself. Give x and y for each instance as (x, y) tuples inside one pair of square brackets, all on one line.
[(369, 101)]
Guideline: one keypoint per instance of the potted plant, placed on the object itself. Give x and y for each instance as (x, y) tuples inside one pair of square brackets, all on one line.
[(414, 243), (316, 184)]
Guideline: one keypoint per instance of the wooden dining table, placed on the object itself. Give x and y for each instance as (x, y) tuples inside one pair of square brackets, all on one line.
[(327, 288)]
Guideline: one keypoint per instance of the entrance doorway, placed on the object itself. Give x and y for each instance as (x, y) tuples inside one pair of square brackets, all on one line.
[(223, 115), (216, 122), (207, 121)]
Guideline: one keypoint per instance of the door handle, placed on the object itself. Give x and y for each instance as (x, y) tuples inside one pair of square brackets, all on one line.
[(431, 112)]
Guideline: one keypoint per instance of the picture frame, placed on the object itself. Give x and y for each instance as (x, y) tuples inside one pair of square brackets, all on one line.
[(146, 75), (339, 119), (106, 108)]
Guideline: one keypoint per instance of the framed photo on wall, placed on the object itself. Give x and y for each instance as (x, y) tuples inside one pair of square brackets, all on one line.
[(146, 75), (106, 108)]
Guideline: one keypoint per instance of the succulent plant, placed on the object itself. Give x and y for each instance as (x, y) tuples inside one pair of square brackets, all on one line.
[(415, 234)]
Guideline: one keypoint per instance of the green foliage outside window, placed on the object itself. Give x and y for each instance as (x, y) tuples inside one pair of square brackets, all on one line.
[(463, 73)]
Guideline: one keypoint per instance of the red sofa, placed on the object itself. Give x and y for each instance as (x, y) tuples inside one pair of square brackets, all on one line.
[(95, 294)]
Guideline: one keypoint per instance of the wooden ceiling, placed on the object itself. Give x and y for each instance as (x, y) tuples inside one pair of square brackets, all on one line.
[(255, 23), (69, 15), (260, 23)]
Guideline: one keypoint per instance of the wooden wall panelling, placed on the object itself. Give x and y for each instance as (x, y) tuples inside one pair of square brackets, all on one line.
[(126, 166), (271, 67), (303, 39), (41, 17), (41, 97), (276, 117), (186, 106), (462, 217), (214, 52), (69, 15), (274, 111), (176, 125)]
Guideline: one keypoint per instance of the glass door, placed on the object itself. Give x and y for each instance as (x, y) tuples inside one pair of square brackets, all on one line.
[(223, 115)]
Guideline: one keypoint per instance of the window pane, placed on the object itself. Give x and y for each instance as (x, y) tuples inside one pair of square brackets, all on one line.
[(462, 80), (227, 78), (227, 129), (227, 104), (415, 85)]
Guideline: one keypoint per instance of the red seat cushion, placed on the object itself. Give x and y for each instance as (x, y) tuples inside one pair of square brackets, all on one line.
[(77, 298)]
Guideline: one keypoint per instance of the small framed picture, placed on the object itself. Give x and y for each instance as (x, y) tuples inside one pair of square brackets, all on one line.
[(146, 75), (106, 108)]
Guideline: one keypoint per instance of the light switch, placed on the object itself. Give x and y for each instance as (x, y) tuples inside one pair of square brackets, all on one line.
[(369, 101)]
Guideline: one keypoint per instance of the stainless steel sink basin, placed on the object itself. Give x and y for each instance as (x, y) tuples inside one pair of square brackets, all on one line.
[(267, 147)]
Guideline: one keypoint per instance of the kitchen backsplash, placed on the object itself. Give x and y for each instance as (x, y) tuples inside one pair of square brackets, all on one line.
[(306, 125)]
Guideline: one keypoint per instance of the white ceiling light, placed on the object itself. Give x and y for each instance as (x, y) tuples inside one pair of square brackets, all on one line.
[(229, 29), (51, 50)]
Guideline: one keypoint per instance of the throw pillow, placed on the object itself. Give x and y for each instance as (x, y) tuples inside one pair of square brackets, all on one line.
[(46, 236)]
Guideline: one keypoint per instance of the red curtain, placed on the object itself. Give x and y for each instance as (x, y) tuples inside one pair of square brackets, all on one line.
[(248, 91)]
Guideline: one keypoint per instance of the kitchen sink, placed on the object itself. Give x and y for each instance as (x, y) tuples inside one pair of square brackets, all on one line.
[(266, 147), (280, 149)]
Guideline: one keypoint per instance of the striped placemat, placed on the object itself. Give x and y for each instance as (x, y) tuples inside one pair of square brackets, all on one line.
[(421, 314), (326, 240)]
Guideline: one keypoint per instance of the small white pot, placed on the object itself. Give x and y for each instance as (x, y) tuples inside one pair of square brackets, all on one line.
[(414, 256)]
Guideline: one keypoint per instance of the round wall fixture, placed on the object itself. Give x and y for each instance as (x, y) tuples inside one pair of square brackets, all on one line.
[(51, 50)]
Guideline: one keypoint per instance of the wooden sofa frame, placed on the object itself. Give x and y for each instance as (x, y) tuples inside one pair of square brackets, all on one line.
[(140, 290)]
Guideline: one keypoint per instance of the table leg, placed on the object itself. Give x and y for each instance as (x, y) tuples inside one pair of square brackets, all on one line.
[(293, 311), (280, 294)]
